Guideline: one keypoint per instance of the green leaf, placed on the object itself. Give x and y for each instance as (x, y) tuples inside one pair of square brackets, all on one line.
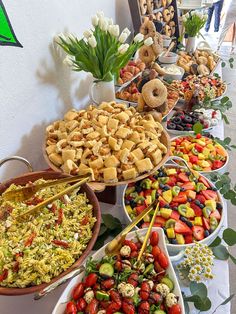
[(228, 299), (223, 64), (227, 140), (100, 241), (233, 201), (197, 128), (233, 259), (224, 117), (231, 65), (203, 304), (111, 222), (229, 236), (103, 229), (198, 289), (231, 60), (192, 298), (216, 242), (220, 252), (224, 99), (229, 195)]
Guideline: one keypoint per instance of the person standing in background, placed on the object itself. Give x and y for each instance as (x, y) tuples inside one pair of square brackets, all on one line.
[(230, 20), (217, 7)]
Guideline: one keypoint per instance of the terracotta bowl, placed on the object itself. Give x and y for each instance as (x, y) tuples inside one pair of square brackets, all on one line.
[(50, 175)]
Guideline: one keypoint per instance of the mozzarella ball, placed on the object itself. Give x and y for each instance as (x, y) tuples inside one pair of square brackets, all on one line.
[(162, 289), (89, 295), (125, 251), (171, 299), (126, 290)]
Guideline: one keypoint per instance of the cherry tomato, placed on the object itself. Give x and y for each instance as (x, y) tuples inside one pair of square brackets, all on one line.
[(133, 279), (115, 297), (134, 254), (92, 307), (118, 265), (155, 298), (127, 306), (154, 239), (81, 304), (90, 280), (163, 261), (158, 267), (4, 275), (113, 307), (105, 304), (145, 291), (71, 308), (107, 284), (131, 244), (78, 291), (175, 309), (144, 308), (155, 252)]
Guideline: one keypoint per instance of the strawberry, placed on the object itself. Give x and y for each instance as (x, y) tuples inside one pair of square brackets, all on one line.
[(198, 136), (204, 181), (147, 224), (198, 232), (189, 186), (139, 209), (183, 177), (199, 148), (160, 220), (209, 194), (197, 209), (175, 215), (201, 198), (181, 198), (206, 224), (216, 214), (172, 181), (193, 159), (181, 227), (217, 164), (188, 239)]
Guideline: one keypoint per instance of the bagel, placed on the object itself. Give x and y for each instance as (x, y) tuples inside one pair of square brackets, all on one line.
[(172, 26), (203, 69), (167, 30), (159, 17), (172, 12), (202, 60), (157, 44), (158, 68), (163, 3), (157, 4), (150, 6), (154, 93), (143, 6), (148, 28), (147, 55), (166, 15)]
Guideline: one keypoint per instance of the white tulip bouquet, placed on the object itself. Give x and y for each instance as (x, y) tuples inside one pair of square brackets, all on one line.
[(102, 51), (194, 22)]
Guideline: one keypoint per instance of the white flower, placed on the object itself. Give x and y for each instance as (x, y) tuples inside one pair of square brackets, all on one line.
[(95, 20), (148, 41), (110, 21), (103, 24), (138, 38), (123, 48), (123, 37), (127, 31), (88, 34), (100, 14), (114, 30), (71, 37), (68, 61), (57, 38), (187, 15), (92, 41)]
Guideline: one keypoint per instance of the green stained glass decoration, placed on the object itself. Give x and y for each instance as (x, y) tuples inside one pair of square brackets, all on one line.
[(7, 35)]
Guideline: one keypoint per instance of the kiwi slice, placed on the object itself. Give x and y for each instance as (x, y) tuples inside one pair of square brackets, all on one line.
[(170, 223)]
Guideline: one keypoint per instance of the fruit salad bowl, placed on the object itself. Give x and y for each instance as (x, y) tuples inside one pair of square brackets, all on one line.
[(191, 208), (75, 293), (202, 154)]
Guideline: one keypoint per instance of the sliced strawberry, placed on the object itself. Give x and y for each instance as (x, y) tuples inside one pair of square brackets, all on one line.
[(188, 238), (189, 186), (197, 209), (139, 209), (204, 181), (183, 177), (160, 220), (216, 214), (175, 215), (181, 198), (217, 164), (201, 198), (147, 224), (206, 223), (181, 227), (174, 204), (209, 195), (172, 180), (199, 148), (147, 192), (198, 232), (162, 202), (193, 159)]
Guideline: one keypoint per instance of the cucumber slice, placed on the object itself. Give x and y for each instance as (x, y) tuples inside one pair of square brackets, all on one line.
[(106, 270), (167, 281)]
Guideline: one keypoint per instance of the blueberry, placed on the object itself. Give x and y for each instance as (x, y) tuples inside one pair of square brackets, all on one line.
[(210, 231), (188, 129), (171, 126), (201, 206), (173, 241), (189, 199), (188, 173), (175, 208), (138, 189), (132, 203), (155, 176), (219, 206), (197, 202), (167, 206), (189, 224), (161, 185), (127, 202), (182, 218), (206, 233), (161, 174), (166, 188), (182, 189)]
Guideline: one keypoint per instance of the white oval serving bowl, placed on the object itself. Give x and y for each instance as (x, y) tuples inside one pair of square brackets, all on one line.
[(170, 58), (66, 295)]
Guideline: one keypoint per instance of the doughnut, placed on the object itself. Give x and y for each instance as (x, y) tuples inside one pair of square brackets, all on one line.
[(203, 69), (166, 15), (202, 60), (172, 12), (141, 103), (159, 16), (157, 4), (147, 55), (154, 93), (172, 26), (163, 3), (150, 6), (148, 28), (143, 6), (167, 30), (158, 68)]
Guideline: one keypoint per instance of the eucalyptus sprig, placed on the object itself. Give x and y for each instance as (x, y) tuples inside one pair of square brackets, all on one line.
[(224, 185), (226, 143), (199, 297), (110, 226)]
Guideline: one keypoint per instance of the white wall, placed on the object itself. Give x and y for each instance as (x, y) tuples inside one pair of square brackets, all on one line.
[(35, 87)]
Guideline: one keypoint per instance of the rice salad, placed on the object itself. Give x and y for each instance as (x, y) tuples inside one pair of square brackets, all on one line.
[(45, 244)]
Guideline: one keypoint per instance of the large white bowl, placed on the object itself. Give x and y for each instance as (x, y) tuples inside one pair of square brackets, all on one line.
[(221, 170), (176, 250), (66, 295), (170, 58), (169, 76)]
